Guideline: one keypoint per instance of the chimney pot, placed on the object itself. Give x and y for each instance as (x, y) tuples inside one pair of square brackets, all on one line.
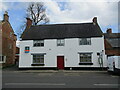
[(109, 30), (29, 23), (95, 20), (6, 17)]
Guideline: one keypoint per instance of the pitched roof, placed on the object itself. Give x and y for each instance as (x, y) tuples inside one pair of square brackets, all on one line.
[(113, 39), (58, 31), (107, 44)]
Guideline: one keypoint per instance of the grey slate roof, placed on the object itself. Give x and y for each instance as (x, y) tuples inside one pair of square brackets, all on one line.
[(113, 39), (112, 35), (58, 31)]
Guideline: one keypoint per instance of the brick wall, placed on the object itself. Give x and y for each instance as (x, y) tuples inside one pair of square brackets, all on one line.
[(8, 43)]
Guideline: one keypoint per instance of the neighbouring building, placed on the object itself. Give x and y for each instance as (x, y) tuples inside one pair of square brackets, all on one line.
[(62, 46), (112, 43), (7, 42)]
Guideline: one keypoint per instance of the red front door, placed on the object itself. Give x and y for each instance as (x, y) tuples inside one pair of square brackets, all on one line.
[(60, 62)]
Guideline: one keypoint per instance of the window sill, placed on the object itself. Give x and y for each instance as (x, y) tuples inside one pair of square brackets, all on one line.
[(38, 46), (85, 63), (60, 45), (85, 44), (37, 64)]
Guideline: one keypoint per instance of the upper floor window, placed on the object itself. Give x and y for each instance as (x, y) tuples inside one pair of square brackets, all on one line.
[(60, 42), (85, 41), (38, 43)]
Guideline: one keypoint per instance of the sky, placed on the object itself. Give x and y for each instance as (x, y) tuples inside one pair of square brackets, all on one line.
[(65, 11)]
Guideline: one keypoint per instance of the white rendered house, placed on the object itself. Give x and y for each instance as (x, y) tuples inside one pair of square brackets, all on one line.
[(62, 46)]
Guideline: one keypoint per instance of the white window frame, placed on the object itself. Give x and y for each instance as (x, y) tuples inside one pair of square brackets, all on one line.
[(60, 42), (2, 57), (84, 41), (38, 57), (80, 58), (39, 43)]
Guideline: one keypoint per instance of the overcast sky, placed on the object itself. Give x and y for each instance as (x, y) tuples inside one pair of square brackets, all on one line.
[(66, 11)]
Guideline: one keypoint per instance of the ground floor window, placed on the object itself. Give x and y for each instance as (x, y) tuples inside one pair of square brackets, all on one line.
[(38, 59), (85, 57), (2, 59)]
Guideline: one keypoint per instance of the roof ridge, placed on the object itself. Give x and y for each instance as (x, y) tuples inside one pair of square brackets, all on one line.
[(62, 24)]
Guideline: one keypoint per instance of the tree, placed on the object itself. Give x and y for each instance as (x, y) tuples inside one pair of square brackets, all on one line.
[(36, 12)]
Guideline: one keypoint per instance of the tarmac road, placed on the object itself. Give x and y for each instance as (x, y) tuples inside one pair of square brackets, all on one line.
[(59, 79)]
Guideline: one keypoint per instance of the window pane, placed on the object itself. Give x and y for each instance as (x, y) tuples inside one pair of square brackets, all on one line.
[(58, 41), (38, 44), (42, 44), (35, 44), (41, 41), (88, 39), (42, 61), (62, 41), (2, 58)]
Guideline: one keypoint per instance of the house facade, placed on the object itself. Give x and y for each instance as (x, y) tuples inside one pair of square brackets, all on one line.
[(63, 46), (8, 42)]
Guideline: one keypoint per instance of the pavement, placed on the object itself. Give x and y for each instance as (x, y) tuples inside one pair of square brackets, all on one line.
[(15, 69), (58, 71)]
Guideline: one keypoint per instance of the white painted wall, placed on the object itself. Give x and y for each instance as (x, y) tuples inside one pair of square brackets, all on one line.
[(70, 52)]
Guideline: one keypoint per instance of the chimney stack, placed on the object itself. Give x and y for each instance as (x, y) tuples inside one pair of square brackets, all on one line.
[(109, 30), (95, 20), (29, 23), (6, 17)]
